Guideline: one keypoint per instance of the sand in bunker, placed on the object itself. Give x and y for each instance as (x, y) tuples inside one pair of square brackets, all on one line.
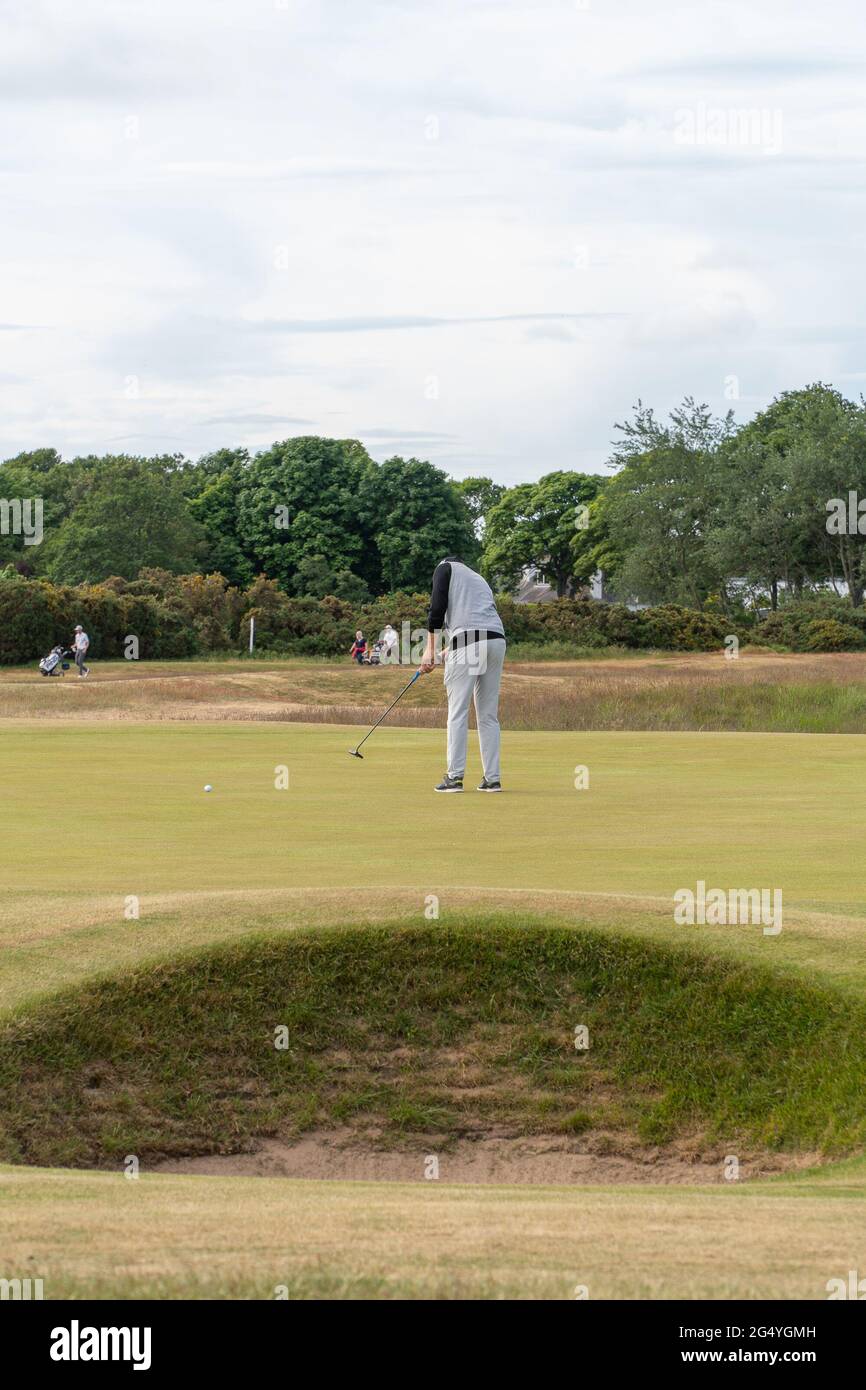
[(487, 1159)]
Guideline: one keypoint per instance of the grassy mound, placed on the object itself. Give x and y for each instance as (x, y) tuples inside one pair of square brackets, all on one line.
[(436, 1030)]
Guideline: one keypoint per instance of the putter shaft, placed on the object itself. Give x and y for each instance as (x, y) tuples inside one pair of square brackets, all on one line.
[(354, 751)]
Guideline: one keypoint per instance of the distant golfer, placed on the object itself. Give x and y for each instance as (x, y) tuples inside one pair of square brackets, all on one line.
[(463, 603), (390, 644), (80, 644)]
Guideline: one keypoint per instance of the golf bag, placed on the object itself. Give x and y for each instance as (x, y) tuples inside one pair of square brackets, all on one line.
[(53, 664), (381, 654), (374, 656)]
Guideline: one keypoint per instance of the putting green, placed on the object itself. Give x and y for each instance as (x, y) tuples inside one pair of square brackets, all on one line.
[(93, 815), (121, 808)]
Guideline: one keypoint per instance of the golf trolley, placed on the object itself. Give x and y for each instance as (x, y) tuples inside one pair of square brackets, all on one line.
[(374, 655), (55, 664)]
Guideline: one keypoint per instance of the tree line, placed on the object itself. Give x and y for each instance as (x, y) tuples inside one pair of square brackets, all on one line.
[(696, 511)]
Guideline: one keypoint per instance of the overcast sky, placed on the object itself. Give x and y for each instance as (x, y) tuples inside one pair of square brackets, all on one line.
[(471, 231)]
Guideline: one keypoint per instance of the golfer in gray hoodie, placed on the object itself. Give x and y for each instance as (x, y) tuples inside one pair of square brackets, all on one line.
[(462, 602)]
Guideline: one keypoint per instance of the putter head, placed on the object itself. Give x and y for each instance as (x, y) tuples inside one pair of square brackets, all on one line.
[(353, 753)]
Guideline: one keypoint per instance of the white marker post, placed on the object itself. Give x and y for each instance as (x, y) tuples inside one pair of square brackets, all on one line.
[(252, 634)]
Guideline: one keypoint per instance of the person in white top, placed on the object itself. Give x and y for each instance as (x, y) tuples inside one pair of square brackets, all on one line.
[(390, 644), (80, 643)]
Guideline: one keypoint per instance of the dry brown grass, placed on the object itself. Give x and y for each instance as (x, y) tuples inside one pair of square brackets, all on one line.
[(759, 692), (176, 1237)]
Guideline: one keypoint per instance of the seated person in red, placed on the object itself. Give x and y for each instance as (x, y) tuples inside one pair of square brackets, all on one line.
[(359, 650)]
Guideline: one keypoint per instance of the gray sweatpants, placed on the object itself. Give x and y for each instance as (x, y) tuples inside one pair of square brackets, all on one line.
[(79, 661), (475, 672)]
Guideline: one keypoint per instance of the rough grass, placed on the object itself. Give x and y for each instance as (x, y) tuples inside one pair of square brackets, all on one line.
[(760, 692), (438, 1031)]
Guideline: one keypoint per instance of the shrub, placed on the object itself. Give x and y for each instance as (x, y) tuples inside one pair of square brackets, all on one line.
[(212, 606), (791, 627), (685, 629), (781, 629), (828, 635), (182, 615), (28, 624), (35, 616)]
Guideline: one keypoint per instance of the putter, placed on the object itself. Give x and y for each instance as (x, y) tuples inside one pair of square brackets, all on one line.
[(353, 752)]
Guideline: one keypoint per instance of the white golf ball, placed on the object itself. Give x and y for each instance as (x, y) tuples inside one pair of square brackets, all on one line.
[(208, 788)]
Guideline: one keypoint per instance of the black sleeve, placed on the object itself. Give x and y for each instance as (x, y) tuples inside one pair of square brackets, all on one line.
[(439, 596)]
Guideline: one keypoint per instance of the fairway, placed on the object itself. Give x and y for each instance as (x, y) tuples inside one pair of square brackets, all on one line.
[(432, 675), (170, 1237)]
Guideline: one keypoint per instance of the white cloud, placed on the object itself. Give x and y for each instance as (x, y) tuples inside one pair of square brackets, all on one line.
[(476, 224)]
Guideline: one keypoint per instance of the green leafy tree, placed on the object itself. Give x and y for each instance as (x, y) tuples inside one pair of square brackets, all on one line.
[(302, 498), (213, 486), (829, 479), (777, 474), (316, 579), (125, 513), (480, 495), (418, 516), (542, 526), (40, 475), (659, 510)]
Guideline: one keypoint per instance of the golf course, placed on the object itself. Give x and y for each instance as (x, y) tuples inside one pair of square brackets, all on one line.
[(257, 1042), (432, 677)]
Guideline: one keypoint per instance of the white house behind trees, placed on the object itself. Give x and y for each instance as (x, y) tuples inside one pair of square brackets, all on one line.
[(533, 589)]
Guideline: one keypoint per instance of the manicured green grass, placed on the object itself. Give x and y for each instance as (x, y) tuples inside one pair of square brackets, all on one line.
[(121, 808), (92, 815)]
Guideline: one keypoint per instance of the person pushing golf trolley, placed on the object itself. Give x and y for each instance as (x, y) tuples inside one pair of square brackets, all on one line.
[(462, 602), (80, 644)]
